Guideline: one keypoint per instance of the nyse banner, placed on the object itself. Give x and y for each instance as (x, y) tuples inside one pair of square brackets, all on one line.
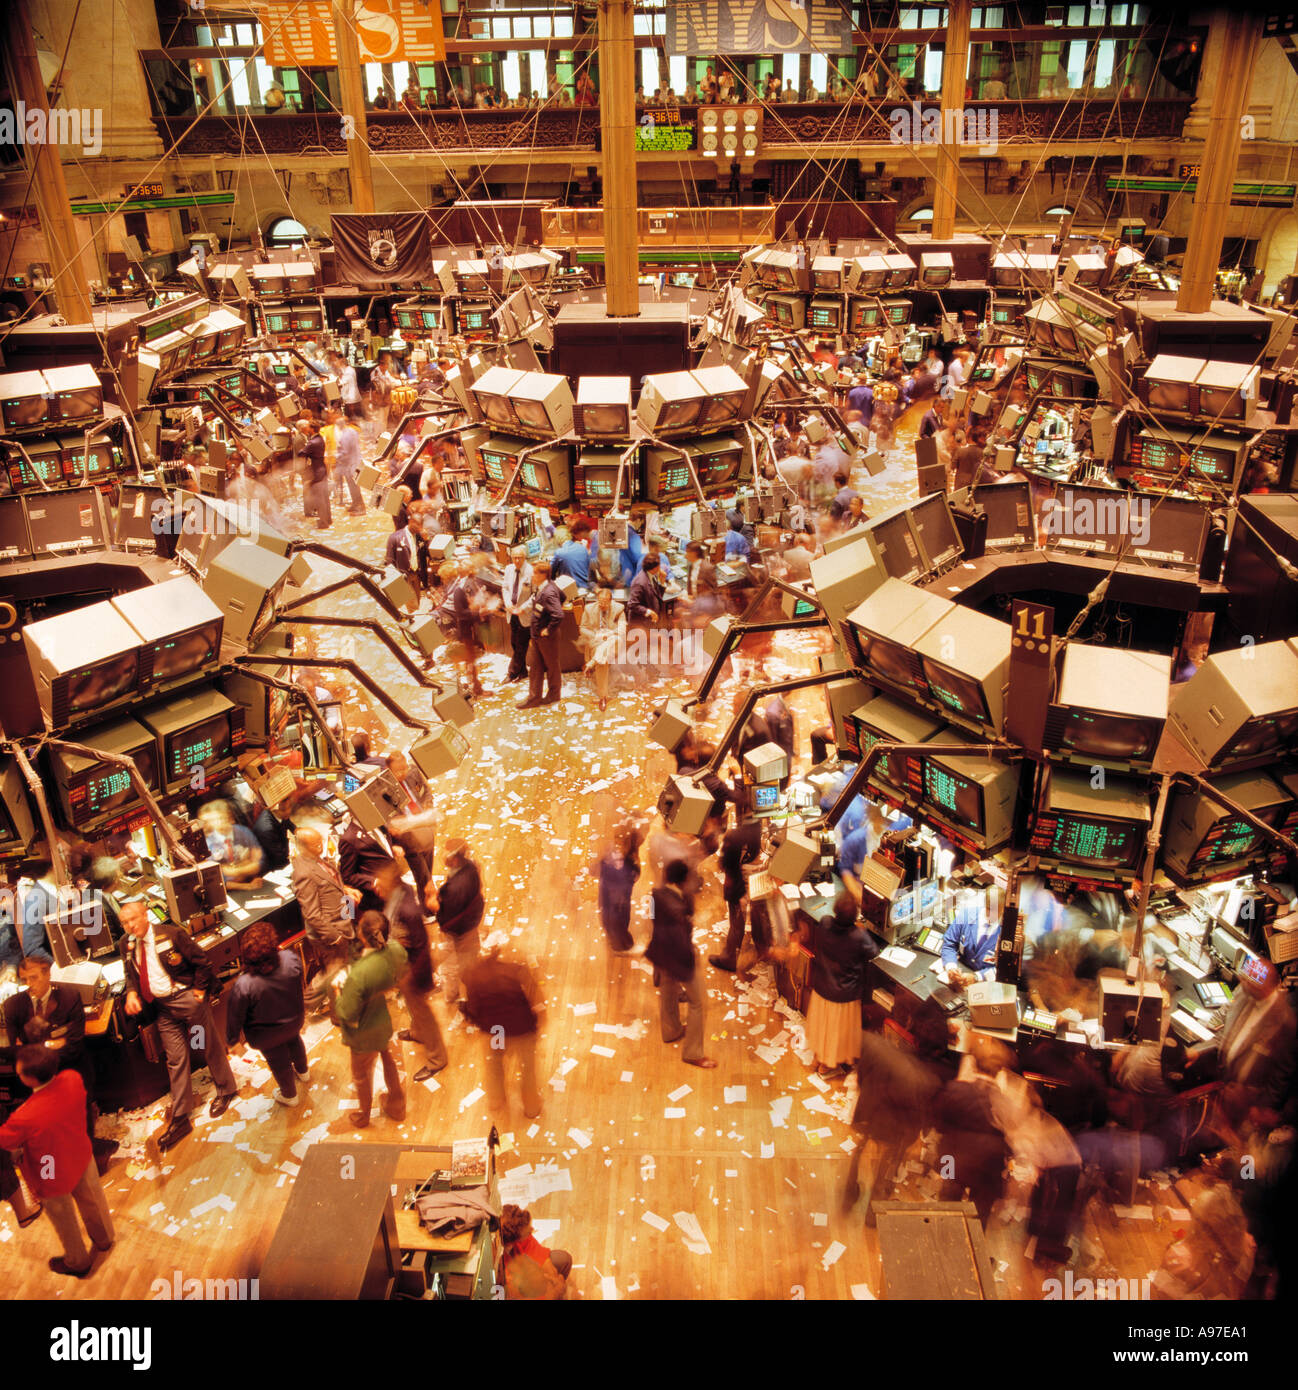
[(300, 33), (697, 27)]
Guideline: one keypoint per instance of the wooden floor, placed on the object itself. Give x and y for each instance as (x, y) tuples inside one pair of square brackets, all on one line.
[(640, 1147)]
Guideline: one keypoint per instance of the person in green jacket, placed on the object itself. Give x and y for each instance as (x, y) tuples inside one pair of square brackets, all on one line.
[(361, 1011)]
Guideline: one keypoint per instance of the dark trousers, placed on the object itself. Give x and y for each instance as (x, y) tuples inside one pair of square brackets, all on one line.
[(317, 504), (616, 921), (184, 1022), (543, 663), (284, 1059), (519, 638), (1053, 1200), (738, 923)]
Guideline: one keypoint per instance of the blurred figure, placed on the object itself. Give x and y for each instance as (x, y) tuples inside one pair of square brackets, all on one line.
[(971, 1144), (1037, 1140), (895, 1093), (603, 630), (458, 907), (676, 973), (1214, 1258), (234, 847), (618, 871), (503, 999), (402, 907), (1255, 1049), (328, 904)]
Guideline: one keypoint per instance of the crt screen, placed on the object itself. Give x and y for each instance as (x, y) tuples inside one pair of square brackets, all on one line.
[(205, 744), (180, 655), (1097, 735), (956, 798), (957, 692), (103, 683)]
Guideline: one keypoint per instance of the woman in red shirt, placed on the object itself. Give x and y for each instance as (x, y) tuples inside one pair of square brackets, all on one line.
[(530, 1270)]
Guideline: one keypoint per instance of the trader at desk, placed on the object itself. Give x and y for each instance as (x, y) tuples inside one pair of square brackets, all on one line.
[(969, 946)]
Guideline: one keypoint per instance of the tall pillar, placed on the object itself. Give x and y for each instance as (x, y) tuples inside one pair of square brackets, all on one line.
[(351, 84), (955, 63), (71, 286), (617, 140), (1237, 35)]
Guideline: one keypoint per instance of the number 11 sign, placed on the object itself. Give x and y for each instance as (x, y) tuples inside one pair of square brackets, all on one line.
[(1032, 628)]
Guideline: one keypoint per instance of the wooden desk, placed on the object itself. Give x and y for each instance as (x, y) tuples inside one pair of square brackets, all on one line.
[(341, 1236)]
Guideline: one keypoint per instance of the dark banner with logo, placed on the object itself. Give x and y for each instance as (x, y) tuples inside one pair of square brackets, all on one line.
[(758, 26), (392, 249)]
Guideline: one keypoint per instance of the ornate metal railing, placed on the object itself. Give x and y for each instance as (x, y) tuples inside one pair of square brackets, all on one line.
[(573, 128)]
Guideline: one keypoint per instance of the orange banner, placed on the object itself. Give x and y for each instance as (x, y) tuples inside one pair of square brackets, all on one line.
[(300, 33)]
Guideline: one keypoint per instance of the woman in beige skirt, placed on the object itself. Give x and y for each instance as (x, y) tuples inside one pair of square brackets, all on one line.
[(841, 950)]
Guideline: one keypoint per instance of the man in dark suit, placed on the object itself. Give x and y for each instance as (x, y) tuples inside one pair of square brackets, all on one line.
[(362, 856), (739, 847), (1255, 1049), (645, 600), (48, 1015), (168, 977), (543, 658), (779, 724), (459, 907), (671, 949)]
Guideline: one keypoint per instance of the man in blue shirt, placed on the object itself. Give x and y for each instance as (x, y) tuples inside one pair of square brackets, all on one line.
[(970, 942), (861, 397), (630, 557), (574, 557), (738, 546)]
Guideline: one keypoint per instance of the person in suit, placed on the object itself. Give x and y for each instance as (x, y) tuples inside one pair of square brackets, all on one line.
[(329, 906), (362, 856), (415, 831), (645, 599), (265, 1005), (543, 659), (361, 1009), (402, 552), (603, 630), (969, 944), (36, 902), (47, 1014), (403, 908), (739, 846), (57, 1159), (516, 591), (779, 724), (676, 972), (458, 906), (1255, 1049), (168, 977), (618, 871)]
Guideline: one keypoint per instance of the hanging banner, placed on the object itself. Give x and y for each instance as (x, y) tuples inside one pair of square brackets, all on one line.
[(300, 33), (392, 248), (696, 28)]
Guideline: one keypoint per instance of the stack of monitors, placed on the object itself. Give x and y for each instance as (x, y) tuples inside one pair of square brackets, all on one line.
[(1240, 708), (880, 634), (1176, 454), (968, 798)]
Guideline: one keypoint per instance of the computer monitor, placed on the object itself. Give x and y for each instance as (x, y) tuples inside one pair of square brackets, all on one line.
[(936, 269), (24, 402), (595, 479), (901, 271), (932, 521), (1240, 706), (83, 661), (204, 730), (726, 393), (278, 323), (497, 459), (75, 393), (429, 319), (881, 633), (475, 318), (546, 476), (408, 318), (896, 545), (965, 657), (1089, 829), (1111, 705), (825, 315), (671, 403), (180, 631), (94, 791), (1011, 521), (968, 798), (306, 321), (1227, 390), (17, 818), (827, 273), (786, 310), (719, 464), (884, 718), (864, 314), (493, 391), (604, 407), (898, 310), (1203, 841), (1169, 384), (667, 478), (764, 798), (41, 461), (543, 404)]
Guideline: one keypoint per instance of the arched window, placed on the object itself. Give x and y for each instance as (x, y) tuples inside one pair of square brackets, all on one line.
[(924, 214), (285, 231), (1059, 210)]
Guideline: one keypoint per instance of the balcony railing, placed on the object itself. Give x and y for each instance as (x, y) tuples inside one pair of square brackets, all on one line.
[(664, 227), (575, 128)]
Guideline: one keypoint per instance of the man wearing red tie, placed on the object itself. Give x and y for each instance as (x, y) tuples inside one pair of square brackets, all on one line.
[(168, 975)]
